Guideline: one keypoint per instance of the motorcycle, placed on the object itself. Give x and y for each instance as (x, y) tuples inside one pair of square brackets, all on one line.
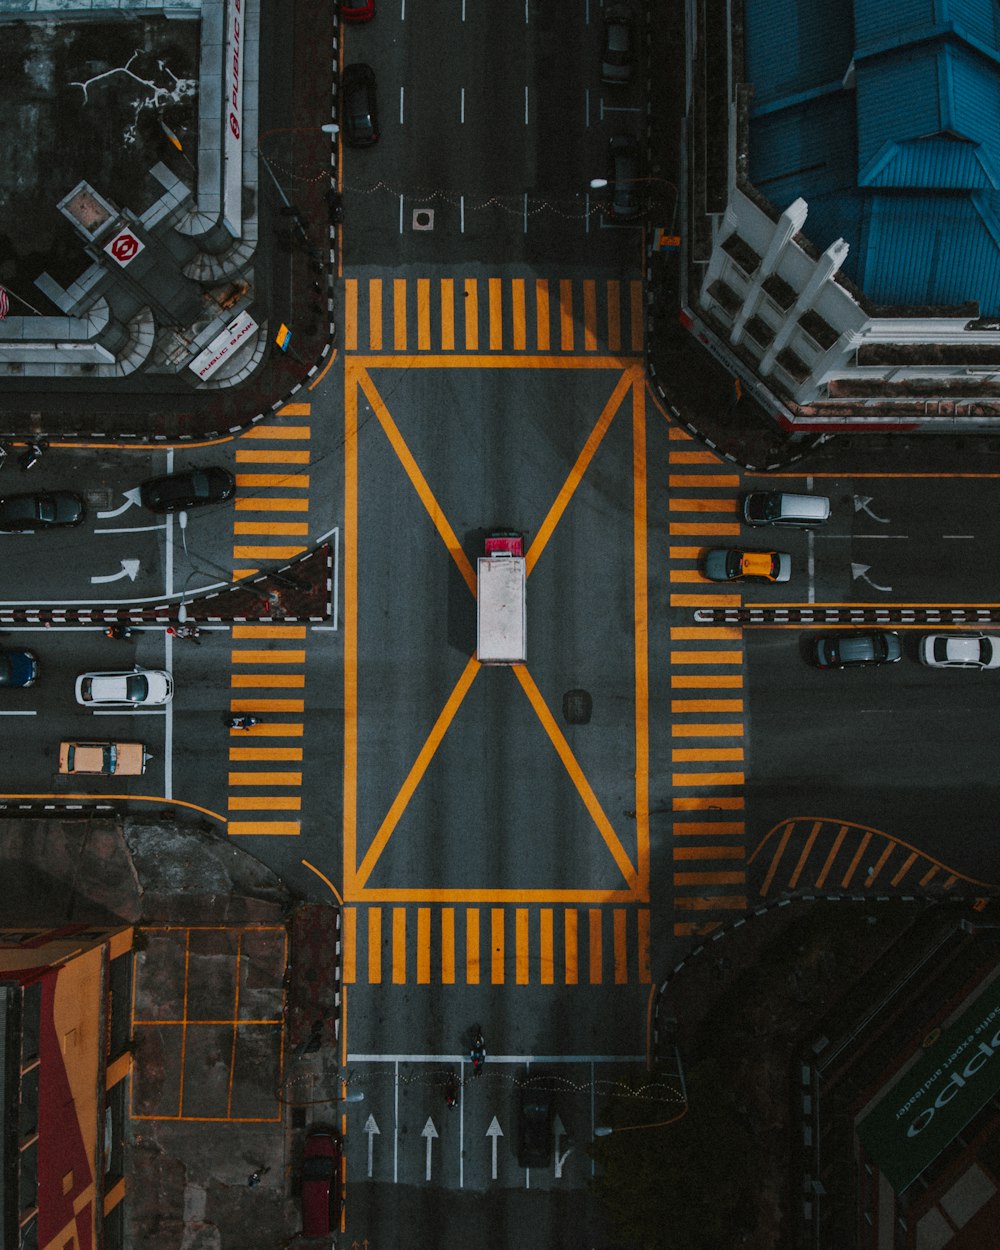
[(188, 633), (478, 1053), (242, 722), (31, 455), (451, 1089), (118, 631)]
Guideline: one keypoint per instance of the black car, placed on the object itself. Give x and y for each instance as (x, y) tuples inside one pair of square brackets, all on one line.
[(360, 106), (618, 54), (623, 172), (534, 1136), (856, 649), (192, 488), (47, 509)]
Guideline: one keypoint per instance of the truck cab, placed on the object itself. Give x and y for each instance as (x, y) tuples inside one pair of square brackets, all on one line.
[(500, 600)]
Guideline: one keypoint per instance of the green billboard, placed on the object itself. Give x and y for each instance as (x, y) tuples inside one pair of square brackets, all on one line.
[(935, 1099)]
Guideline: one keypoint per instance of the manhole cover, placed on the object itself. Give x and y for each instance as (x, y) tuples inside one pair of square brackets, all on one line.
[(423, 219), (577, 707)]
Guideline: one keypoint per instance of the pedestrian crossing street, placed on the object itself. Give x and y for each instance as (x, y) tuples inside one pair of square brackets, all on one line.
[(501, 945), (536, 316), (268, 660), (707, 707)]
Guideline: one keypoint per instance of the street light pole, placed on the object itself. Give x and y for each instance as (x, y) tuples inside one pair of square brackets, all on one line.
[(605, 1130)]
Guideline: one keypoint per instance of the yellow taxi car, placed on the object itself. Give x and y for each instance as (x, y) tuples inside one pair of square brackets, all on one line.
[(103, 759), (726, 564)]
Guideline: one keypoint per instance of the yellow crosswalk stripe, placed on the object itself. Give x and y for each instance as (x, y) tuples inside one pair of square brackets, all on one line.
[(521, 945), (498, 311)]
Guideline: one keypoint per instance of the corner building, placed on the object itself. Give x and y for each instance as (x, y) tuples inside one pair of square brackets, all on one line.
[(65, 1023)]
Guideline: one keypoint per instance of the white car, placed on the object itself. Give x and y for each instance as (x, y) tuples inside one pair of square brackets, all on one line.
[(960, 650), (140, 687)]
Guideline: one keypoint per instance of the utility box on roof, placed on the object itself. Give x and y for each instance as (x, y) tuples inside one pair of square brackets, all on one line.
[(502, 636)]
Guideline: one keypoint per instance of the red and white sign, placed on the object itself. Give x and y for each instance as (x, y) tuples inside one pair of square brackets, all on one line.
[(232, 129), (124, 247), (223, 346)]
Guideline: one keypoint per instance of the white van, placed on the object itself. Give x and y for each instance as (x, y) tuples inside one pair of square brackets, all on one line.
[(775, 507)]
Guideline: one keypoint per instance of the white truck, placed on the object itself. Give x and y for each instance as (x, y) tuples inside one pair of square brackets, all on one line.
[(502, 636)]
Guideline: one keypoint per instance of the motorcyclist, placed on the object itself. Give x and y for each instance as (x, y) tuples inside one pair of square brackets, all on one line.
[(478, 1052), (246, 721)]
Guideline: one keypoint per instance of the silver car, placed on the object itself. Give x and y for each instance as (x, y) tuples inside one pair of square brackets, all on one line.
[(960, 651), (139, 687), (619, 46)]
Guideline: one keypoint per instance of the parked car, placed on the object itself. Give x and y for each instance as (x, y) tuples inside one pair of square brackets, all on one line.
[(189, 488), (18, 668), (534, 1130), (623, 170), (776, 507), (103, 759), (960, 651), (360, 106), (618, 55), (320, 1172), (41, 510), (857, 649), (726, 564), (357, 10), (140, 687)]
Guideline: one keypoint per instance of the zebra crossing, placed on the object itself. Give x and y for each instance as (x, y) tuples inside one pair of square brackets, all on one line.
[(500, 945), (707, 707), (268, 661), (535, 316)]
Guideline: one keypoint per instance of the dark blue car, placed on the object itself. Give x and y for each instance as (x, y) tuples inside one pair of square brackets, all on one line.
[(18, 668)]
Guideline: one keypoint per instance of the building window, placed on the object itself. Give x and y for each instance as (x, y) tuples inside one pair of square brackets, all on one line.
[(114, 1134), (27, 1111), (120, 983), (31, 1022), (28, 1179)]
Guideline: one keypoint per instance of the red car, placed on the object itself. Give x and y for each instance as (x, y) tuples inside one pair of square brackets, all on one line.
[(357, 10), (320, 1177)]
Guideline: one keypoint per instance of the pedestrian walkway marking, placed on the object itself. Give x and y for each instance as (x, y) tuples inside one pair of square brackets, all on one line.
[(505, 314), (815, 853), (706, 681), (269, 657), (529, 945)]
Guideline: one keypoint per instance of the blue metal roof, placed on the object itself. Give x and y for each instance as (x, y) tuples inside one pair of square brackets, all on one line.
[(886, 120)]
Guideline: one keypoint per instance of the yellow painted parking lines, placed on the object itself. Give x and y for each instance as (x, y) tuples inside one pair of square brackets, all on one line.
[(718, 529), (259, 552), (259, 481), (255, 455), (259, 754), (813, 853), (527, 945), (264, 828), (283, 528), (265, 779), (269, 631), (510, 314), (265, 802), (723, 729), (706, 657), (265, 705), (291, 656), (702, 505), (706, 681), (267, 680), (272, 504), (268, 433)]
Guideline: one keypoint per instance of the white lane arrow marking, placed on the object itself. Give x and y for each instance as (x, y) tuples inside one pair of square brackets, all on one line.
[(559, 1132), (861, 503), (373, 1131), (860, 572), (494, 1131), (131, 497), (429, 1132), (129, 569)]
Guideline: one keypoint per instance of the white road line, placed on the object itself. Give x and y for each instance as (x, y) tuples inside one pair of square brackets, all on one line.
[(18, 713), (892, 536), (811, 565), (586, 109), (400, 214), (958, 535), (492, 1059), (135, 711), (132, 529), (401, 91), (461, 206), (525, 212), (461, 107), (526, 104)]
